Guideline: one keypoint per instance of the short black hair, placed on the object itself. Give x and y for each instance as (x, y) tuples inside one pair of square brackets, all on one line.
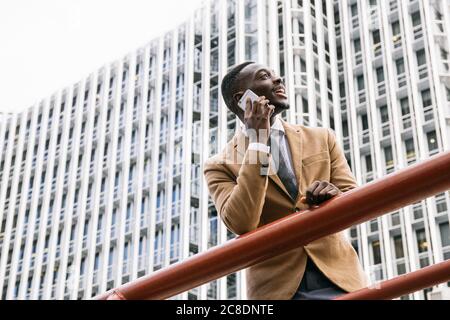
[(228, 86)]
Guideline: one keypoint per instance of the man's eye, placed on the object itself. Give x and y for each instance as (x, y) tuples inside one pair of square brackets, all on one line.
[(264, 76)]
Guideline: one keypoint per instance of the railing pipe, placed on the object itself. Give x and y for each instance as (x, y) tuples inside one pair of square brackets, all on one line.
[(404, 284), (361, 204)]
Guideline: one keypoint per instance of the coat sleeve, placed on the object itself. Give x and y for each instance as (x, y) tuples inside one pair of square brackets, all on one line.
[(239, 201), (341, 175)]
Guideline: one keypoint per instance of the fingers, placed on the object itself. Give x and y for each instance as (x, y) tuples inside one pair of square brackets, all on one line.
[(310, 191), (268, 111), (259, 106), (320, 191)]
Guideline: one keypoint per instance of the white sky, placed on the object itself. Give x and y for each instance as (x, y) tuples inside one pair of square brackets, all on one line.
[(46, 45)]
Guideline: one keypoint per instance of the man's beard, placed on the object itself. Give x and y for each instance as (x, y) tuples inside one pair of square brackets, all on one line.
[(281, 107)]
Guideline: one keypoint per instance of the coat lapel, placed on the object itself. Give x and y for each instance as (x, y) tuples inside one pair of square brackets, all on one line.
[(294, 139)]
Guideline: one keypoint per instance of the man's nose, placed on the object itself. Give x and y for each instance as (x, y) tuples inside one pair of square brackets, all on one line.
[(278, 80)]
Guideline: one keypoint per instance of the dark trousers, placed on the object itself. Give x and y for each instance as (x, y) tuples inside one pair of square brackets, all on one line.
[(316, 286)]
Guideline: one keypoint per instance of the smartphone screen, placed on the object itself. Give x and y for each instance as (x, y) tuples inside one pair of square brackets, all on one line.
[(247, 94)]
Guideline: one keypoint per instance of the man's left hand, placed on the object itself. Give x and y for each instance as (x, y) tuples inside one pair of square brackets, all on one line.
[(320, 191)]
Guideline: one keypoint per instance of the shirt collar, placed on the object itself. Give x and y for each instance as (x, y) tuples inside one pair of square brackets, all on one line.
[(277, 125)]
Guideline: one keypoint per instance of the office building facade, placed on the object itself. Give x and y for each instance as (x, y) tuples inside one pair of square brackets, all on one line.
[(101, 182)]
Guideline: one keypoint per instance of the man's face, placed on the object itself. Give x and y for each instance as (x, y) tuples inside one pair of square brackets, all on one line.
[(264, 82)]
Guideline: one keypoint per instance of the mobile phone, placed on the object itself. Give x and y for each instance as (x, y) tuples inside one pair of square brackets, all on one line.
[(247, 94)]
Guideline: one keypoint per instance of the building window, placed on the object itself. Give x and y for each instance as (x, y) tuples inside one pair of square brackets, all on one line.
[(400, 64), (422, 244), (380, 74), (416, 19), (395, 219), (354, 9), (417, 211), (357, 45), (396, 28), (360, 81), (445, 234), (369, 167), (426, 98), (441, 203), (421, 57), (410, 150), (376, 37), (376, 252), (432, 142), (384, 114), (388, 156), (398, 246)]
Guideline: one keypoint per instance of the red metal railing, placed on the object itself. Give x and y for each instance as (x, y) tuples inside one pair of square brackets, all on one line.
[(361, 204), (404, 284)]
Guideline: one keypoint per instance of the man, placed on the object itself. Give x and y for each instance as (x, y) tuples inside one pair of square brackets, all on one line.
[(271, 169)]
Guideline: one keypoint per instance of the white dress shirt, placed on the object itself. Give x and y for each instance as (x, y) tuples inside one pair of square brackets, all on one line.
[(284, 146)]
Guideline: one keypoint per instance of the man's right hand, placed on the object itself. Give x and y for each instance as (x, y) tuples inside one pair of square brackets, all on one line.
[(257, 119)]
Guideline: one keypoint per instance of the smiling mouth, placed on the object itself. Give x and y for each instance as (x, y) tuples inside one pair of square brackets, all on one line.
[(281, 93)]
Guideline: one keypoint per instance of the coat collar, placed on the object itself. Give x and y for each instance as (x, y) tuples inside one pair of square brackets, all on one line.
[(294, 138)]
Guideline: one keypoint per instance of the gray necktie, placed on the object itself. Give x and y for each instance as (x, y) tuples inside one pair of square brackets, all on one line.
[(280, 157)]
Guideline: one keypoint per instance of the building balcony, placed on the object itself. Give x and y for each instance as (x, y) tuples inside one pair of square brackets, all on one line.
[(81, 282), (174, 251), (142, 262), (418, 32), (406, 121), (113, 231), (177, 169), (163, 137), (385, 130), (95, 277), (133, 150), (355, 22), (389, 168), (84, 243), (144, 220), (381, 89), (423, 72), (364, 137), (195, 188), (397, 41), (128, 226), (300, 79), (358, 58), (401, 80), (109, 272), (71, 247), (428, 113), (376, 272), (362, 97), (161, 174), (160, 214), (178, 133), (99, 237), (368, 177), (377, 50), (194, 234), (197, 106), (411, 157), (126, 268), (176, 209)]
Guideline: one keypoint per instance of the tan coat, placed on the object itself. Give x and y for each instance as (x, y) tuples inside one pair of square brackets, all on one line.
[(246, 200)]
